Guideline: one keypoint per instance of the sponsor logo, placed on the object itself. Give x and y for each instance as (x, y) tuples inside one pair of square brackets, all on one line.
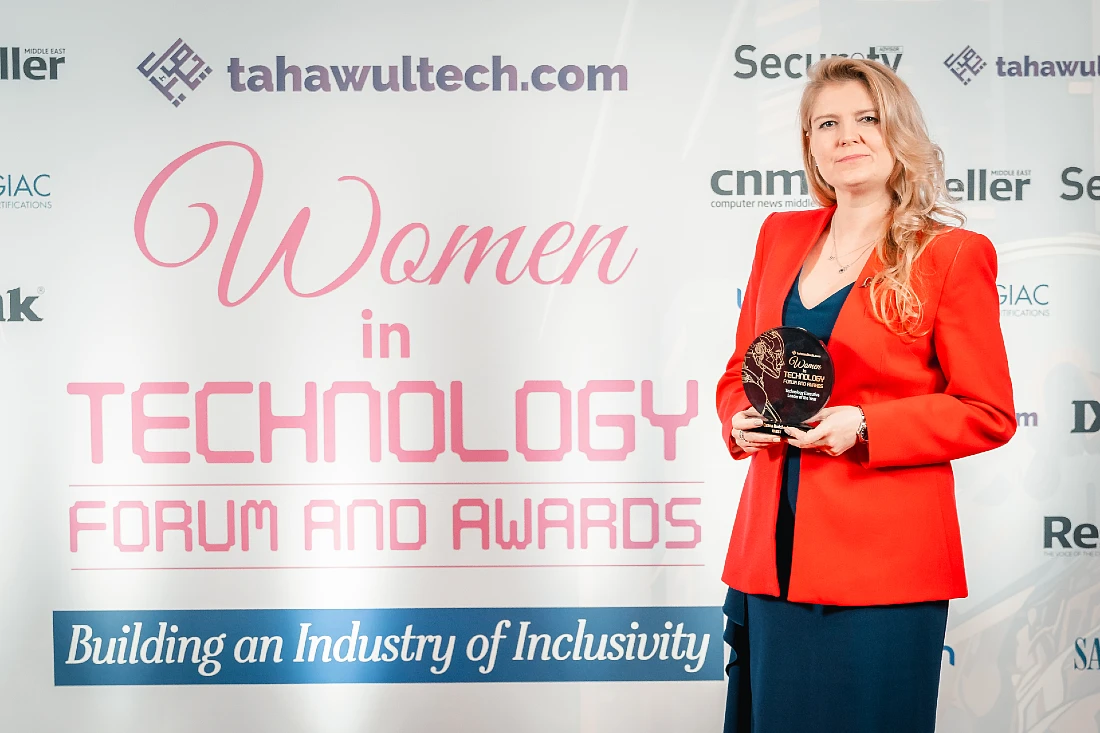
[(24, 191), (1027, 419), (748, 189), (751, 189), (1039, 67), (175, 72), (30, 64), (797, 65), (1077, 188), (19, 307), (1086, 416), (968, 63), (424, 76), (1062, 538), (980, 184), (1086, 651), (1024, 300), (965, 65)]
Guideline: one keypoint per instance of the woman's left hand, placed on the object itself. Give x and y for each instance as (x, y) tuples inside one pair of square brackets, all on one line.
[(836, 430)]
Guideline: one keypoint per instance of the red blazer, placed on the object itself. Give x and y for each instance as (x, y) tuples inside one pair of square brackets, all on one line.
[(877, 524)]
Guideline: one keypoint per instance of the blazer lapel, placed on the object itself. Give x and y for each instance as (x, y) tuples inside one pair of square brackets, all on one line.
[(858, 303), (786, 258), (856, 344)]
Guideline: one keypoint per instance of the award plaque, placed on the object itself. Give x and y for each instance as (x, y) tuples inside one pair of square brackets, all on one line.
[(788, 377)]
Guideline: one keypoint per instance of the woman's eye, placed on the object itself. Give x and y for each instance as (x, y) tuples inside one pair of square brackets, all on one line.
[(869, 118), (826, 123)]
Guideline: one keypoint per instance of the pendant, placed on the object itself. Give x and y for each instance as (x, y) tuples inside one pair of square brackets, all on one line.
[(844, 268)]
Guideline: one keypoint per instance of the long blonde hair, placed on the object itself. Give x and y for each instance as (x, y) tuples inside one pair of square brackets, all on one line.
[(921, 203)]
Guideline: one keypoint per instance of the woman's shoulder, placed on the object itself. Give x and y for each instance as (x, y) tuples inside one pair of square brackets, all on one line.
[(805, 218), (952, 243), (800, 216)]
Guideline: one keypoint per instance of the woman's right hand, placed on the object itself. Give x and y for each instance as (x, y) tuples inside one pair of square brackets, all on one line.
[(750, 442)]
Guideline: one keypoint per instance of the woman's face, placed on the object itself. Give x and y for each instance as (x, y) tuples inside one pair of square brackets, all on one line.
[(846, 140)]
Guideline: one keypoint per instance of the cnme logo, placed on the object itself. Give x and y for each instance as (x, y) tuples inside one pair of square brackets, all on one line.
[(761, 183)]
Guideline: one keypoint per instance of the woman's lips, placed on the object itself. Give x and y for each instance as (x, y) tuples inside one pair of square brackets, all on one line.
[(852, 157)]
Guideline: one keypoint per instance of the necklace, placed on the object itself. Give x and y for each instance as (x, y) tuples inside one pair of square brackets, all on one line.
[(835, 258)]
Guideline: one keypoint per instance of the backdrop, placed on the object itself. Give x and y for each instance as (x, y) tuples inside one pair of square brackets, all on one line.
[(358, 358)]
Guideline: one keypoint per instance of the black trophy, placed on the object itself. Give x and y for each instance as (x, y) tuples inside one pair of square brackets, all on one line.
[(788, 377)]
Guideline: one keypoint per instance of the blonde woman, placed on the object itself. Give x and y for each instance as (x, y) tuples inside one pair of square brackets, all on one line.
[(846, 549)]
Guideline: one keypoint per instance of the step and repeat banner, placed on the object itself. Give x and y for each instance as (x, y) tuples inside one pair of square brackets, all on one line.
[(357, 358)]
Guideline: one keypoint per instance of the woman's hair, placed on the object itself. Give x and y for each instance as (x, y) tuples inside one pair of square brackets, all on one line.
[(921, 204)]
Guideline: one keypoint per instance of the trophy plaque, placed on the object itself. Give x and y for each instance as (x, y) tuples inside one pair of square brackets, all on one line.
[(788, 377)]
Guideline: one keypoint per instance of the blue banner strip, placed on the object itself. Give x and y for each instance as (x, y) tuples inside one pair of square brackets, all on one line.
[(418, 645)]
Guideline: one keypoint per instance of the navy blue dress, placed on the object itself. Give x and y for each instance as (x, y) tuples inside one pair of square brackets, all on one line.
[(807, 667)]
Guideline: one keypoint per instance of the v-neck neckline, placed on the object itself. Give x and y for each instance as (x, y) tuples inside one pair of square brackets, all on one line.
[(868, 265), (826, 299)]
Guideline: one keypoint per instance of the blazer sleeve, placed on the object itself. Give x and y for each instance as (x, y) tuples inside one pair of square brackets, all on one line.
[(731, 397), (975, 411)]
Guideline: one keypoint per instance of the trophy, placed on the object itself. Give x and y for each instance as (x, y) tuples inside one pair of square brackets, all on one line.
[(788, 377)]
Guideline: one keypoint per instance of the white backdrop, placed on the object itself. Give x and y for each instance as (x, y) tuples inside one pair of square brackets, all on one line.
[(131, 386)]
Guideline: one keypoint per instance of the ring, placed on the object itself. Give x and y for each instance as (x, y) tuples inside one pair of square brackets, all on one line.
[(741, 435)]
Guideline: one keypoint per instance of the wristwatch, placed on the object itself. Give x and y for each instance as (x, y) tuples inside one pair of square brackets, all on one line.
[(861, 433)]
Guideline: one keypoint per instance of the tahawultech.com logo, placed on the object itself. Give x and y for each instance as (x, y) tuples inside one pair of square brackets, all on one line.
[(965, 65), (174, 72), (1045, 67), (968, 63)]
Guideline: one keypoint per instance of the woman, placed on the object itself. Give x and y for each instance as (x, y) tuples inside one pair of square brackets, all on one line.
[(846, 547)]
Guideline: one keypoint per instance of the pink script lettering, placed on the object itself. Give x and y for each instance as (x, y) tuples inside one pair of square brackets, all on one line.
[(405, 258)]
